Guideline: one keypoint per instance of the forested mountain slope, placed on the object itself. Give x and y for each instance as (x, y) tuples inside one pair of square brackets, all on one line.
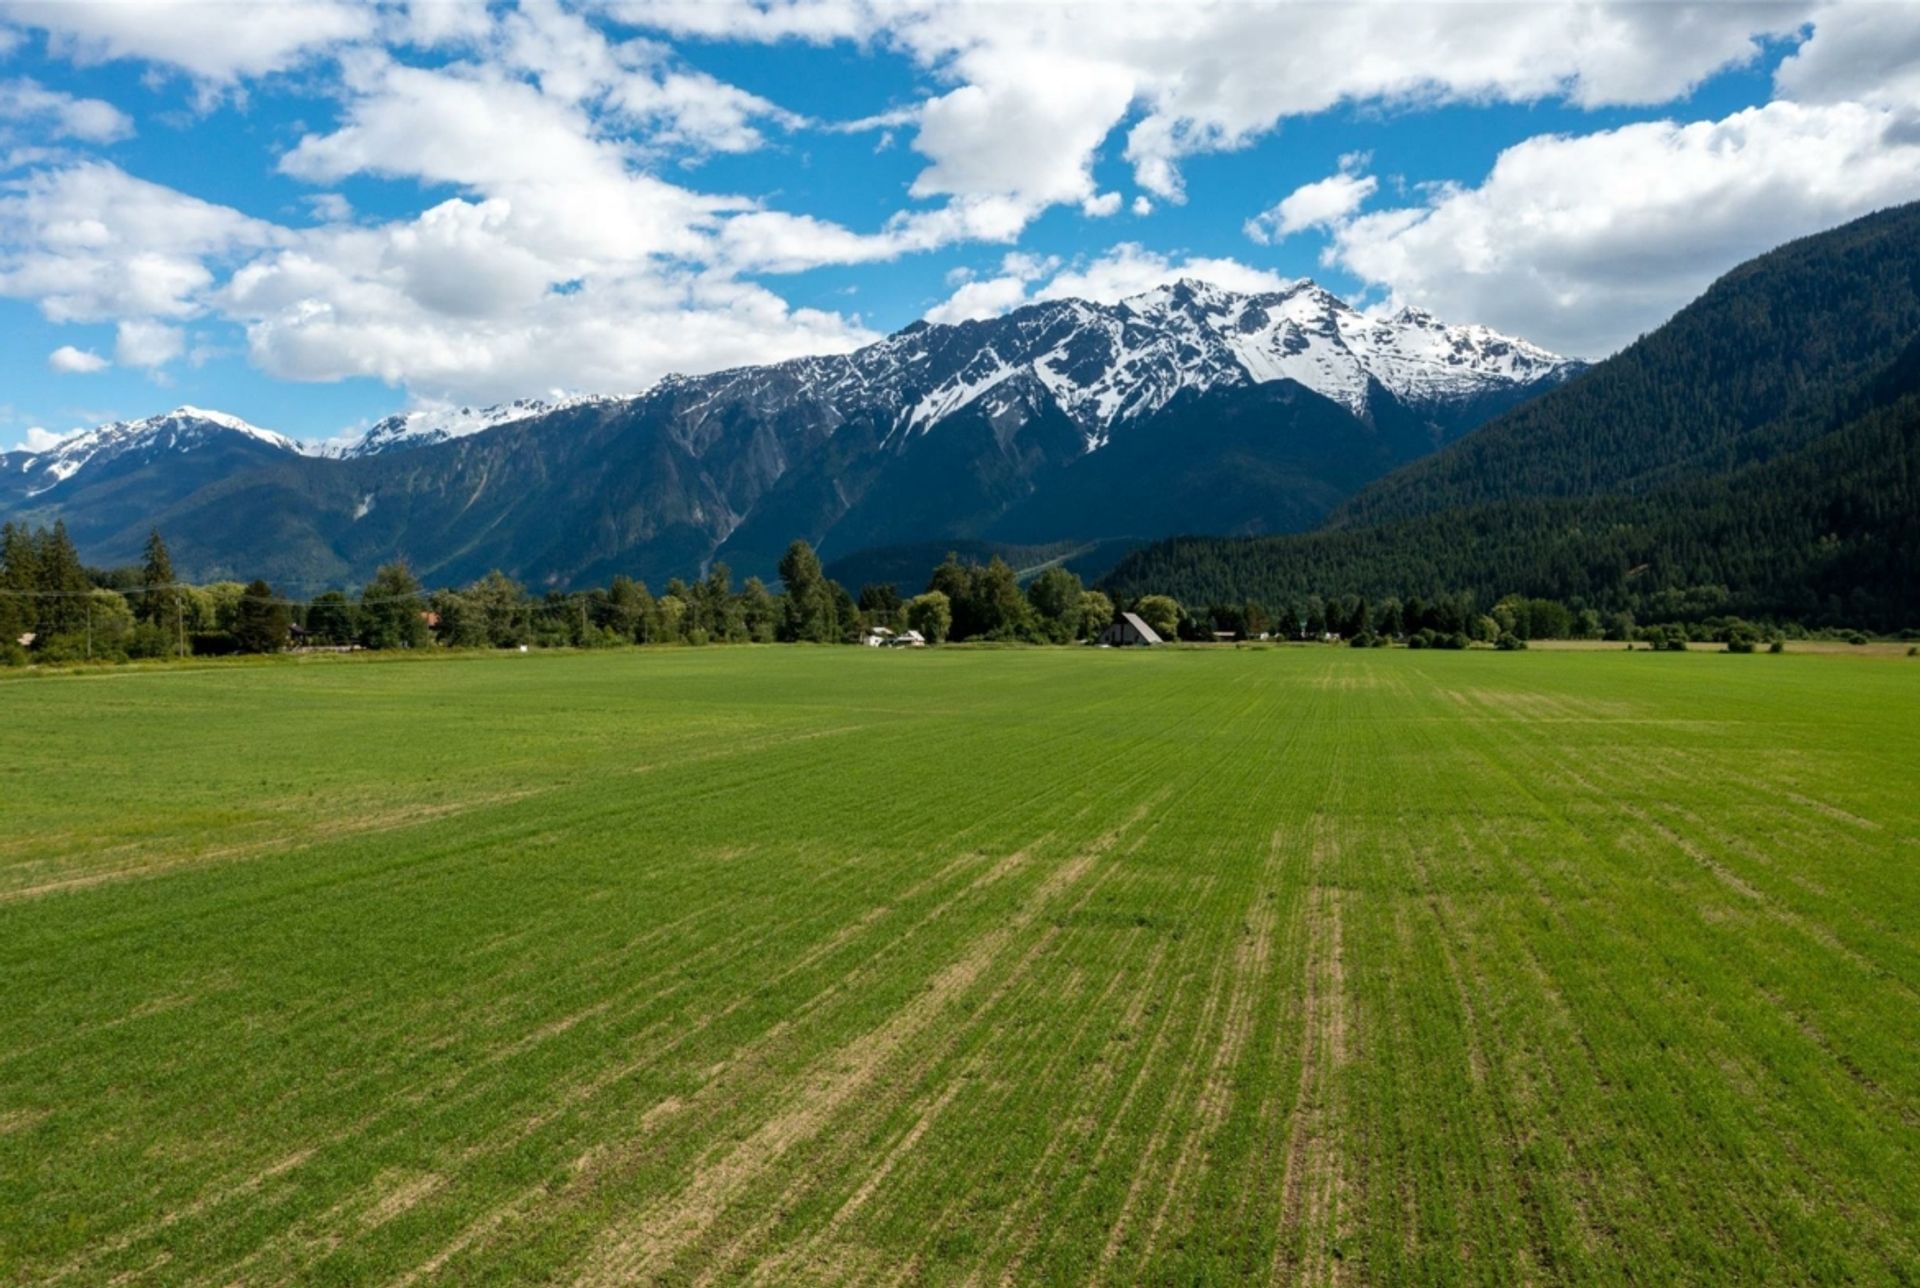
[(1755, 455), (1783, 335)]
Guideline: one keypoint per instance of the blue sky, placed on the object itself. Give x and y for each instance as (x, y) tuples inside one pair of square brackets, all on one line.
[(316, 212)]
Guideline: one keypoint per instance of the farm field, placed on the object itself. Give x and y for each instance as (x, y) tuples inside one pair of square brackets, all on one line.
[(827, 965)]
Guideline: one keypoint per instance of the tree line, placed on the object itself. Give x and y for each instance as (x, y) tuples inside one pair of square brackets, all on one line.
[(53, 608)]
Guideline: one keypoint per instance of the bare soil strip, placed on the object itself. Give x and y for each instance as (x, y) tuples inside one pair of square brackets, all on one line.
[(637, 1254), (715, 1093), (676, 1223), (1773, 909), (206, 1202), (1146, 1171), (1251, 956), (591, 1164), (1030, 1216), (1314, 1184)]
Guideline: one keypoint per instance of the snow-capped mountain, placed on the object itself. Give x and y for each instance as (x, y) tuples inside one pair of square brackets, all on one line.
[(1106, 364), (427, 426), (1103, 364), (184, 429), (1184, 409)]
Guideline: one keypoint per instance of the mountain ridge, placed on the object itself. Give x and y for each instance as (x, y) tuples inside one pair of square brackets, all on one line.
[(1438, 365), (936, 431)]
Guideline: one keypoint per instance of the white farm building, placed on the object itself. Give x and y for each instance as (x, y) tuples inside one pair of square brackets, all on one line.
[(1128, 630)]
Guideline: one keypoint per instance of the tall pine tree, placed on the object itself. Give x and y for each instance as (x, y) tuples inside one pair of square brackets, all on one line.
[(19, 576), (63, 584), (156, 570)]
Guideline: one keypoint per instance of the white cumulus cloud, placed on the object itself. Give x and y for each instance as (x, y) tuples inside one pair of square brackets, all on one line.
[(1582, 242), (1024, 127), (1862, 52), (1037, 91), (92, 243), (1130, 268), (1316, 204), (562, 262), (309, 320), (214, 41), (139, 343), (59, 115), (70, 361), (38, 438), (974, 301)]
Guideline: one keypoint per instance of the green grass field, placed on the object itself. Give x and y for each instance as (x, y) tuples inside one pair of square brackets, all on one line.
[(823, 965)]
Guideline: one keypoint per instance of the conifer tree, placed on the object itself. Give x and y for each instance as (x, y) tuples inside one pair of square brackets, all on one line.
[(260, 620), (19, 576), (63, 583), (156, 570)]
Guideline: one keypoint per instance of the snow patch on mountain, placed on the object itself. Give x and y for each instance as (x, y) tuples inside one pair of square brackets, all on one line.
[(180, 430), (1106, 364), (1102, 365), (429, 425)]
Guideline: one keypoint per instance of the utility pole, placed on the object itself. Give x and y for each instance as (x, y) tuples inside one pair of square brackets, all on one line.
[(89, 626), (180, 620)]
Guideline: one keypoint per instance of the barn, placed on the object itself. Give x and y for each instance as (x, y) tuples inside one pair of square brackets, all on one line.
[(1129, 631)]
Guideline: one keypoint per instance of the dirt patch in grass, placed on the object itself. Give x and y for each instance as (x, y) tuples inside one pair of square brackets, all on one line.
[(1538, 708), (401, 1197), (848, 1073), (13, 1120), (1248, 979), (213, 1198), (1826, 809), (1358, 677), (839, 1080), (1315, 1184), (1767, 906)]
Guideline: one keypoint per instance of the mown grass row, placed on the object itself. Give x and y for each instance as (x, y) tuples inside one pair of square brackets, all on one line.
[(805, 965)]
